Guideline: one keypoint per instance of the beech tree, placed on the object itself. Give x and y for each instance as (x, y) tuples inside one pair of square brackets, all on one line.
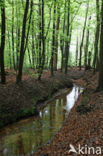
[(67, 43), (101, 53), (2, 46), (46, 38), (82, 41), (22, 49), (97, 34)]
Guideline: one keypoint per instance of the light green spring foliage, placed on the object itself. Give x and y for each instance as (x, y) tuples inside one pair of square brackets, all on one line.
[(77, 16)]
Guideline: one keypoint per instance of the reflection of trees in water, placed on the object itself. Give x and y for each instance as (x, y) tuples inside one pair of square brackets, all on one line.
[(60, 111), (38, 139), (20, 146), (52, 115), (40, 131), (64, 99)]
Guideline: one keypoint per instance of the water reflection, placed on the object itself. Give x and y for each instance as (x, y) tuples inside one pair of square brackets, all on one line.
[(72, 97), (24, 137)]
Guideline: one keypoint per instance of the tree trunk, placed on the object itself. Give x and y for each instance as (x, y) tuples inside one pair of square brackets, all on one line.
[(53, 40), (62, 43), (97, 34), (81, 46), (56, 39), (101, 53), (22, 49), (89, 60), (86, 46), (30, 16), (2, 47), (67, 43), (43, 44)]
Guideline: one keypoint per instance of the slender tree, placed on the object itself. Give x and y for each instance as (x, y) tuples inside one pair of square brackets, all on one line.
[(62, 43), (2, 47), (22, 49), (97, 34), (86, 46), (43, 44), (67, 42), (101, 53), (53, 39), (82, 41), (55, 56)]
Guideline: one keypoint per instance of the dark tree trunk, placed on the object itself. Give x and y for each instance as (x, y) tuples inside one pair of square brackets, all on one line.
[(53, 40), (22, 49), (89, 60), (67, 43), (81, 45), (2, 47), (101, 53), (86, 47), (62, 43), (97, 34), (56, 40), (30, 16), (43, 44)]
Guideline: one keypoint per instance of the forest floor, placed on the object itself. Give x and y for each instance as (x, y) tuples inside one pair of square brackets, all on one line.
[(19, 101), (84, 125)]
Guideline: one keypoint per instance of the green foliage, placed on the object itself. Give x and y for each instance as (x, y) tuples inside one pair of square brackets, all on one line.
[(76, 22)]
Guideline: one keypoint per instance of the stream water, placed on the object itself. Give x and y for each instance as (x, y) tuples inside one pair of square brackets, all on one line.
[(24, 137)]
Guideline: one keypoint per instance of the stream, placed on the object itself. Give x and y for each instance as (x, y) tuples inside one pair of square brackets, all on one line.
[(24, 137)]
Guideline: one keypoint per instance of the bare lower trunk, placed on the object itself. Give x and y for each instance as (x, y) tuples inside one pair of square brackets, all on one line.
[(2, 47), (82, 41), (97, 34), (101, 54), (22, 49)]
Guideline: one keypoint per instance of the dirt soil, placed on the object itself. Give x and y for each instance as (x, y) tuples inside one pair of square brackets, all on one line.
[(84, 125), (19, 101)]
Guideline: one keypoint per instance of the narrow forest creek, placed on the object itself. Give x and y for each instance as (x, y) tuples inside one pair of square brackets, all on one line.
[(24, 137)]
